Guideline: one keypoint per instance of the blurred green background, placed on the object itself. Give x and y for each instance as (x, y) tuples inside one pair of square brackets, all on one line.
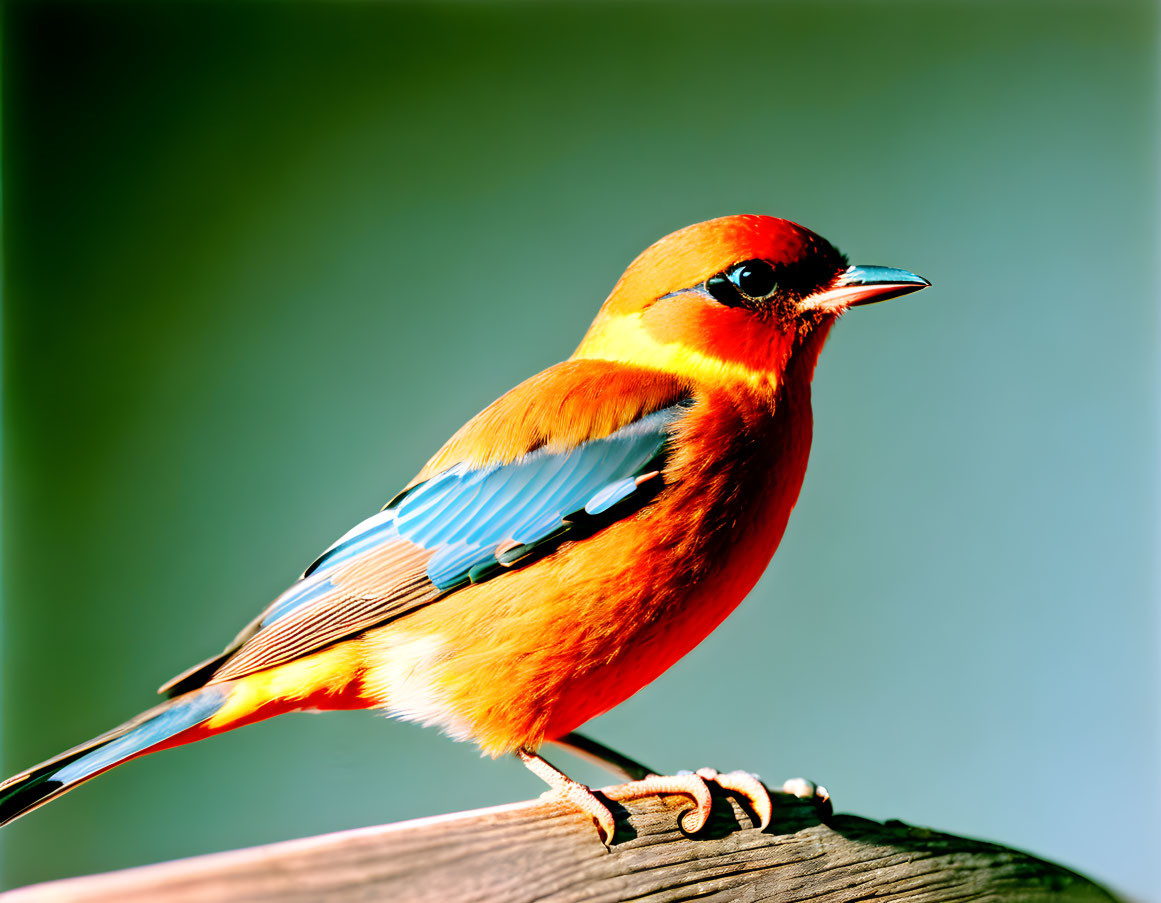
[(262, 259)]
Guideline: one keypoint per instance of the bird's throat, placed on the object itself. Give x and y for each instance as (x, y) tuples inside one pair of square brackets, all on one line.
[(725, 348), (690, 353)]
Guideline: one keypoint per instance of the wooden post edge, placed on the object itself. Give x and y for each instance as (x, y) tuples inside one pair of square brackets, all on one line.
[(539, 851)]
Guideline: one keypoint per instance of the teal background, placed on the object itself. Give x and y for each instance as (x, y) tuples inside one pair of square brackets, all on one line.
[(262, 259)]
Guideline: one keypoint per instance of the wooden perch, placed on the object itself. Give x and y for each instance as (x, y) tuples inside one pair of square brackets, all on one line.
[(542, 851)]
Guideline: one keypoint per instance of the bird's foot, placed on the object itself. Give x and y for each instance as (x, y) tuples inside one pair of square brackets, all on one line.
[(581, 797), (808, 790), (572, 792), (694, 785), (690, 784), (747, 786)]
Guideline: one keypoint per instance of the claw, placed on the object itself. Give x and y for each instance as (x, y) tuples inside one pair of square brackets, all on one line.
[(806, 790), (692, 785), (747, 786), (580, 797)]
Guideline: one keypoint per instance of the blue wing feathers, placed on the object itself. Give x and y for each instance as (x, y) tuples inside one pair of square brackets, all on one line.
[(462, 525), (464, 515), (451, 565), (172, 720), (610, 495), (357, 540), (33, 788), (529, 500)]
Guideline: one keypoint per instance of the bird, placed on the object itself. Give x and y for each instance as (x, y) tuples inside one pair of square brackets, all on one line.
[(568, 544)]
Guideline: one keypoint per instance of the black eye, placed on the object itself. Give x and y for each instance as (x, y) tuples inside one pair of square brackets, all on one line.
[(724, 291), (755, 278)]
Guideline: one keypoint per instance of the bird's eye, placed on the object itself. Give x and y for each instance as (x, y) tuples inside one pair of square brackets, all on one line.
[(743, 284), (755, 279), (723, 290)]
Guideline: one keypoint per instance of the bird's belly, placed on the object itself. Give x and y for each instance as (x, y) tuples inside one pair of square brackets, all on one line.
[(538, 651), (405, 669), (682, 605), (532, 655)]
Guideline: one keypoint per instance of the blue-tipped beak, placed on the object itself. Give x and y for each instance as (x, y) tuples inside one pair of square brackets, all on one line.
[(865, 285)]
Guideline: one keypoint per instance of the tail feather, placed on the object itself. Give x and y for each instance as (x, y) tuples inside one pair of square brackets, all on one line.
[(33, 788)]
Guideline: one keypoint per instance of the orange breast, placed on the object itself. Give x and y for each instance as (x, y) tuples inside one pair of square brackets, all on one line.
[(533, 655)]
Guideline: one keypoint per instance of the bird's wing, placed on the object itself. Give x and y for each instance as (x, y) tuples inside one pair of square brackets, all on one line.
[(559, 457)]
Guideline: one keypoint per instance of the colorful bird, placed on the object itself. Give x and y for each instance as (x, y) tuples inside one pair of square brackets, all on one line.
[(567, 545)]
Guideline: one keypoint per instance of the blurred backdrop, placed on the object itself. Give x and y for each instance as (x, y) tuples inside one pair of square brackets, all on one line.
[(262, 259)]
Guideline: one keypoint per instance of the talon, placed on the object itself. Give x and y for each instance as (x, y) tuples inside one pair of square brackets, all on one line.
[(691, 785), (580, 797), (806, 790), (747, 786)]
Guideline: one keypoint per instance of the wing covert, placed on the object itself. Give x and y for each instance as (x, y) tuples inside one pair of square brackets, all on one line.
[(462, 525)]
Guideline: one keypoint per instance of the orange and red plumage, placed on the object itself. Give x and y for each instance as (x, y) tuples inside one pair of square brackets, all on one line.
[(432, 612)]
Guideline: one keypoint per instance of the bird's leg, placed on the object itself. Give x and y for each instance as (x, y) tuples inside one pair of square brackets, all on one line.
[(576, 793), (572, 791), (646, 781)]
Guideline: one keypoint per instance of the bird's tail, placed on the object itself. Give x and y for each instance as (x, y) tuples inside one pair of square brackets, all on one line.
[(152, 730)]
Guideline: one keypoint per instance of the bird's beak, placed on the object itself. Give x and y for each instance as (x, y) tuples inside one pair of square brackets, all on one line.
[(864, 285)]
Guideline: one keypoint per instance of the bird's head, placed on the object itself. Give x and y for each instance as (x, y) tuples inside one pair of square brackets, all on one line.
[(734, 298)]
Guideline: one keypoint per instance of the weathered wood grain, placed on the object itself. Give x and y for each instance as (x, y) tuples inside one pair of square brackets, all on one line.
[(540, 851)]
